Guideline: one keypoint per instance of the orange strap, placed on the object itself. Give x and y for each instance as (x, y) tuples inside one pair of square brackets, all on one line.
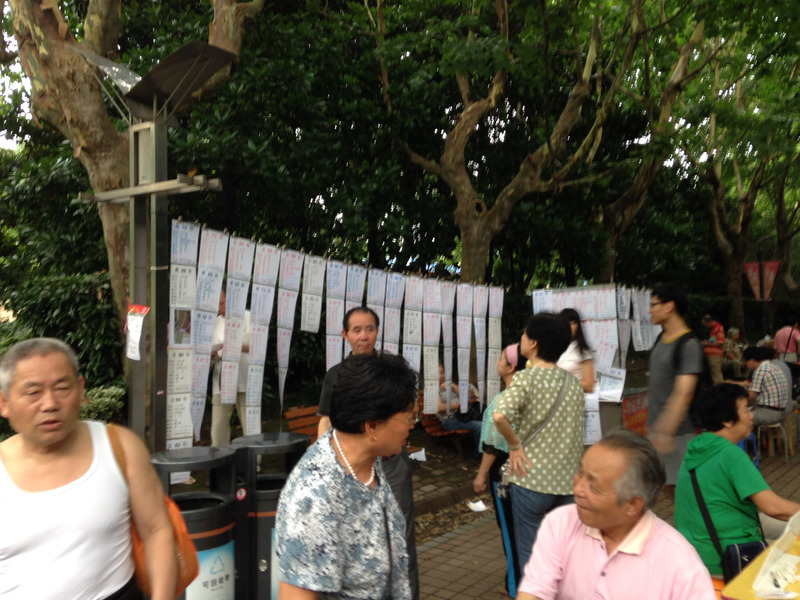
[(116, 447)]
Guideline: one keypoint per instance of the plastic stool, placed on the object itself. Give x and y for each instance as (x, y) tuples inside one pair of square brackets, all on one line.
[(787, 437)]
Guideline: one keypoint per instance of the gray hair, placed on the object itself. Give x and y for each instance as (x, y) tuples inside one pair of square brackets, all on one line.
[(34, 347), (732, 331), (644, 474)]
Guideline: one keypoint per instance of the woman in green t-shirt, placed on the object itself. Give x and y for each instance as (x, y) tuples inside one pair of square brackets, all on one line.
[(731, 485)]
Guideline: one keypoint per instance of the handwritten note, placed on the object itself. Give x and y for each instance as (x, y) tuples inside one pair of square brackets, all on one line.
[(185, 242)]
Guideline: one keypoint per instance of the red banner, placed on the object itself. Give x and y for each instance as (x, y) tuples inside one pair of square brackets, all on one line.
[(770, 270)]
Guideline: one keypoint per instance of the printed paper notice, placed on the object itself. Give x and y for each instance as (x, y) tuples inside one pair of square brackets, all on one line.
[(179, 416), (314, 275), (337, 279), (213, 249), (395, 289), (179, 370), (182, 286), (240, 258), (356, 280), (267, 263), (185, 242)]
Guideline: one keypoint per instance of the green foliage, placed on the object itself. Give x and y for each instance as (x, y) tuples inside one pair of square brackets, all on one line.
[(52, 261), (104, 404)]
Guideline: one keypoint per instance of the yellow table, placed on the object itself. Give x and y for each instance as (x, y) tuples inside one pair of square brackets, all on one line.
[(741, 587)]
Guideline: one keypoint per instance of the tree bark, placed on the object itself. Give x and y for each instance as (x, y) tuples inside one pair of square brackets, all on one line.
[(66, 94)]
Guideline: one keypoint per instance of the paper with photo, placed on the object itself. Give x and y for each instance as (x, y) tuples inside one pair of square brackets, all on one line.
[(180, 327)]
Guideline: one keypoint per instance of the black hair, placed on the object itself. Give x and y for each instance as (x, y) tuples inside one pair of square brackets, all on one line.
[(359, 309), (371, 388), (572, 315), (759, 353), (717, 405), (552, 334), (669, 292)]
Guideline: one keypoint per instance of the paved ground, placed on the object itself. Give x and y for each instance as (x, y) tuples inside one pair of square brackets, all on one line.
[(468, 563)]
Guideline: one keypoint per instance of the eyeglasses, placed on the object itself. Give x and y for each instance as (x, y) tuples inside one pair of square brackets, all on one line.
[(652, 304), (412, 421)]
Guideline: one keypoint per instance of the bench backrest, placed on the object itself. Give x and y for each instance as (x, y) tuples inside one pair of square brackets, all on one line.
[(303, 420)]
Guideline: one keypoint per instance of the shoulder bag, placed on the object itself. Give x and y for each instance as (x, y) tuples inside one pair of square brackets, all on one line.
[(188, 567), (736, 556), (504, 484)]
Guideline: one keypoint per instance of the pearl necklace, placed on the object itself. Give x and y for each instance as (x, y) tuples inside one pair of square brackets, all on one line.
[(349, 466)]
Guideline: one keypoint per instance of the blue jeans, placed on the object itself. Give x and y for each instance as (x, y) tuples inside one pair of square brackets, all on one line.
[(451, 424), (528, 510)]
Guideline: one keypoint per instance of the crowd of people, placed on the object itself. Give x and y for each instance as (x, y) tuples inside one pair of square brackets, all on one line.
[(575, 522)]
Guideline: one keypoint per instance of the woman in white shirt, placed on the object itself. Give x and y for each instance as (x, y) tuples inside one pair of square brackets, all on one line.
[(578, 358)]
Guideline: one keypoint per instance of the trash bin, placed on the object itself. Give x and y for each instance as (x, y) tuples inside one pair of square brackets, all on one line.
[(210, 516), (263, 462)]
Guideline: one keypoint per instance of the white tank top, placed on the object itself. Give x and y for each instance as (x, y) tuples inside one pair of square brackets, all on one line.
[(72, 542)]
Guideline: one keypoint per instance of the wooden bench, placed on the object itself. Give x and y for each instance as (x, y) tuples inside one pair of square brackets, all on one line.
[(432, 426), (303, 420)]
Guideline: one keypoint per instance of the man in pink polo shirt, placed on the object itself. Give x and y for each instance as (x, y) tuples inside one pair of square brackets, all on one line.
[(609, 544)]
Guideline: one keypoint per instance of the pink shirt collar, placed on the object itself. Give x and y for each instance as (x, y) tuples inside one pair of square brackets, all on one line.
[(637, 537)]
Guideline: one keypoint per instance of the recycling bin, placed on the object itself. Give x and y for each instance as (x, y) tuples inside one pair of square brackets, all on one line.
[(210, 516), (263, 462)]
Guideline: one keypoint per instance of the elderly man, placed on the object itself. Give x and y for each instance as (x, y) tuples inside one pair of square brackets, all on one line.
[(360, 330), (771, 385), (609, 544), (65, 506)]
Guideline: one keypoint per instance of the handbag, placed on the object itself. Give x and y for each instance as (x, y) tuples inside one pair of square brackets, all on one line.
[(188, 567), (504, 485), (736, 556)]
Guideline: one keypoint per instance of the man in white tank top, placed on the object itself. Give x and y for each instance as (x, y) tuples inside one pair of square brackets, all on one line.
[(65, 505)]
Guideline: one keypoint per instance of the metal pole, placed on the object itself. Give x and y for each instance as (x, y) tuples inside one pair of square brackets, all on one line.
[(137, 369), (159, 303)]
